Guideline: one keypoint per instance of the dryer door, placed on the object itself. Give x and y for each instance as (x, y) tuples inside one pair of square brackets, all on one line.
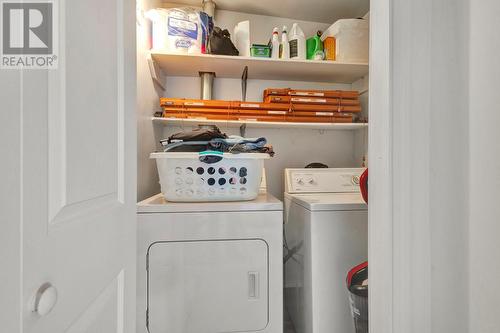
[(208, 286)]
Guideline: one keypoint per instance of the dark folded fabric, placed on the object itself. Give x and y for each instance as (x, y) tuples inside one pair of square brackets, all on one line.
[(199, 134), (213, 139), (186, 147), (241, 148)]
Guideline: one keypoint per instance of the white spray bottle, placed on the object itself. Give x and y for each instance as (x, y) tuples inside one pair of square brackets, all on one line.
[(297, 43), (284, 46), (275, 44)]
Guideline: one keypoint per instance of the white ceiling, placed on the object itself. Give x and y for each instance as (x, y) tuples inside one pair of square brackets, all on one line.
[(325, 11)]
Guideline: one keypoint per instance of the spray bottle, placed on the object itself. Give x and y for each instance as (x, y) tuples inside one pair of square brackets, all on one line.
[(284, 46), (297, 43), (275, 45)]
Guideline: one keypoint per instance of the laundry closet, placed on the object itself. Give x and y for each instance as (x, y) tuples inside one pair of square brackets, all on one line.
[(231, 265)]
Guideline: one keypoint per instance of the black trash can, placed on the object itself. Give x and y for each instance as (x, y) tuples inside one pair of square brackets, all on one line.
[(357, 284)]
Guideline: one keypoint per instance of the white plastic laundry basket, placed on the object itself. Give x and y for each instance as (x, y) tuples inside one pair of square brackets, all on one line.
[(184, 178)]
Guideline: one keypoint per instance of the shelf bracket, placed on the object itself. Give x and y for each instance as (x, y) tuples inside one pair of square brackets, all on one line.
[(243, 130), (361, 85), (156, 73)]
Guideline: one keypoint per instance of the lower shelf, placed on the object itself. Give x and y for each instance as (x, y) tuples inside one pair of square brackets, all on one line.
[(259, 124)]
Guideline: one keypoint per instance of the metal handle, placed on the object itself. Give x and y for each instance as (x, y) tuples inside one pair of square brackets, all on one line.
[(253, 285), (45, 299)]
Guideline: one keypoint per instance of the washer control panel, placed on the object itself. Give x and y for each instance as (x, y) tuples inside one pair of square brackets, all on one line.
[(331, 180)]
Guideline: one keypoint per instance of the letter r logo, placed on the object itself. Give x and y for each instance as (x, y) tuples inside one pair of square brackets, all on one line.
[(27, 27)]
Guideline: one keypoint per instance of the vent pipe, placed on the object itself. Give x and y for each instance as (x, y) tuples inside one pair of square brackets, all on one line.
[(207, 78), (207, 85), (209, 7)]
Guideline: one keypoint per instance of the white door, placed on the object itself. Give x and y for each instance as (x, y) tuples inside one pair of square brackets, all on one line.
[(208, 286), (73, 133)]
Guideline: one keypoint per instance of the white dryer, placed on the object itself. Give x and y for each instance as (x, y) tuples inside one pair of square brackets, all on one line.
[(210, 267), (326, 234)]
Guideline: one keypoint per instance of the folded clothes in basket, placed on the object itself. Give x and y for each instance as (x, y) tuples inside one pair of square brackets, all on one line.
[(232, 145), (234, 141), (236, 144), (214, 140), (198, 134)]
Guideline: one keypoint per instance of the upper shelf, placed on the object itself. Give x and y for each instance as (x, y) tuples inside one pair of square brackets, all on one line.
[(260, 68), (259, 124)]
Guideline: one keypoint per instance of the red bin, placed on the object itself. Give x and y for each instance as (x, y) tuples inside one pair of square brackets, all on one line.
[(357, 284)]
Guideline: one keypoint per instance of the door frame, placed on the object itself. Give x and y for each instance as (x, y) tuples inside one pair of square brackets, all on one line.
[(10, 203), (418, 160), (380, 150)]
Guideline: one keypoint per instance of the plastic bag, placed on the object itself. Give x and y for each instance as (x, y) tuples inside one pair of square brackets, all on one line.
[(179, 30), (220, 43)]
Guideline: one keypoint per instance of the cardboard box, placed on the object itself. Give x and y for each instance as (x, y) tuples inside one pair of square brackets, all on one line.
[(303, 109), (335, 118), (276, 91), (261, 106), (344, 94), (194, 103)]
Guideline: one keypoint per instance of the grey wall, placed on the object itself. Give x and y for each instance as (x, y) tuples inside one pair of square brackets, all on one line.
[(430, 165), (448, 173), (484, 115)]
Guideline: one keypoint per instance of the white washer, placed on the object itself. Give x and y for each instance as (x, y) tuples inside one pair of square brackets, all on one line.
[(326, 234), (210, 267)]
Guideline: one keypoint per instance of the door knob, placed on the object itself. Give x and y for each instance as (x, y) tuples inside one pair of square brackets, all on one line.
[(45, 299)]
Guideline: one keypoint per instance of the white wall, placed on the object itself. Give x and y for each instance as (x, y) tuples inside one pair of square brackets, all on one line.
[(148, 95), (230, 89), (484, 113), (294, 147), (261, 27)]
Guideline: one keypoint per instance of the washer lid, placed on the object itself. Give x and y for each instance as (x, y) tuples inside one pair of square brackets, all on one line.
[(329, 201), (158, 204)]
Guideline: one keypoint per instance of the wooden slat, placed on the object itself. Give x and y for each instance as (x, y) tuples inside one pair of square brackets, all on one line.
[(297, 106), (322, 104), (345, 94), (294, 112), (310, 100), (325, 108), (194, 103), (337, 118)]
